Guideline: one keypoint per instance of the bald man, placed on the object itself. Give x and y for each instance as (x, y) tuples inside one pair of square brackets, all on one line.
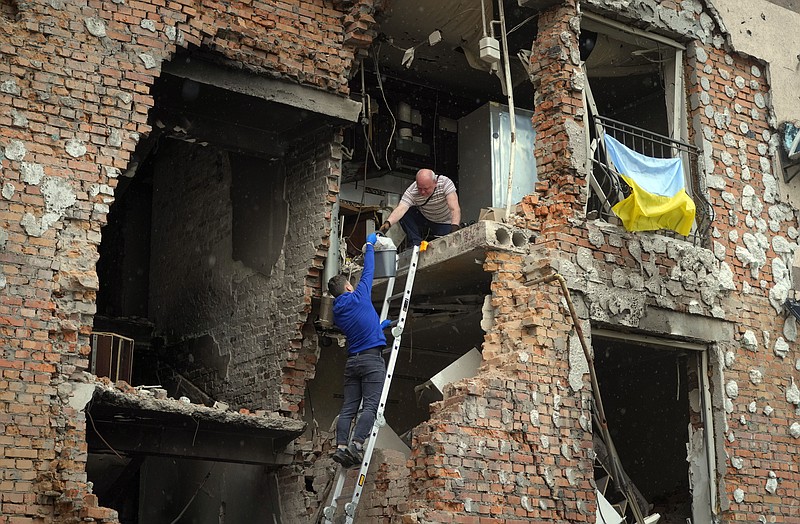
[(429, 208)]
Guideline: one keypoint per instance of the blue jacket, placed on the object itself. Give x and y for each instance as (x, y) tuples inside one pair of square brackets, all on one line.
[(354, 313)]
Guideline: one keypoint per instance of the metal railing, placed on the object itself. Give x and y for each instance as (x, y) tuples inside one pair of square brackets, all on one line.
[(607, 187)]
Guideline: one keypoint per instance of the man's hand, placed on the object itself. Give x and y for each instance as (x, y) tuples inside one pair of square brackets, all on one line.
[(386, 323), (385, 227), (454, 228), (372, 238)]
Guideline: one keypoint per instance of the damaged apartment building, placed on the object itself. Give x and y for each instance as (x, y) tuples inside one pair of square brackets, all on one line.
[(180, 178)]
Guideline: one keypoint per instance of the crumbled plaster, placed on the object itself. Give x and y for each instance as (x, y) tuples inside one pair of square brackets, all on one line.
[(31, 173), (738, 495), (749, 341), (80, 394), (772, 482), (737, 463), (95, 26), (75, 148), (8, 190), (781, 347), (10, 87), (768, 410), (753, 253), (794, 430), (18, 119), (790, 329), (578, 366), (752, 407), (792, 393), (732, 389), (756, 376), (15, 150)]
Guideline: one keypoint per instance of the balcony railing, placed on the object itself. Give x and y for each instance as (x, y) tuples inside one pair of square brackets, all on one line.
[(607, 187)]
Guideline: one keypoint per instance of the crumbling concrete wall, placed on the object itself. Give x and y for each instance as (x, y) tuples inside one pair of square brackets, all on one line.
[(74, 99)]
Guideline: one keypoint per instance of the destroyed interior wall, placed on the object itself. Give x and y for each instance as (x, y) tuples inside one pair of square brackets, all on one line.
[(75, 98)]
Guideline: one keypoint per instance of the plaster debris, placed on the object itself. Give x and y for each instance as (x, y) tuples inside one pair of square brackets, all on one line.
[(768, 410), (742, 420), (792, 393), (790, 329), (759, 100), (95, 26), (772, 482), (751, 407), (8, 190), (730, 358), (727, 405), (794, 430), (148, 24), (31, 173), (18, 119), (75, 148), (781, 347), (148, 60), (10, 87), (756, 377), (732, 389), (749, 341), (737, 463), (738, 495), (15, 150)]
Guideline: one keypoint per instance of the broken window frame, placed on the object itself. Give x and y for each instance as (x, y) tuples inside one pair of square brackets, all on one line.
[(710, 503), (604, 183)]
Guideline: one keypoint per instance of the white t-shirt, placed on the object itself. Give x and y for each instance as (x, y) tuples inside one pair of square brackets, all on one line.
[(436, 209)]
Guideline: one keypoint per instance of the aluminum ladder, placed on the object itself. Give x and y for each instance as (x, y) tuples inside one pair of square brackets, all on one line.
[(341, 474)]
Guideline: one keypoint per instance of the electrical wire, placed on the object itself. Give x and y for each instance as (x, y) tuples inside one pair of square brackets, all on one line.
[(377, 51)]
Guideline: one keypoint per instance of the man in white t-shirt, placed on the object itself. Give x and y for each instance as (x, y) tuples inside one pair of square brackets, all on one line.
[(429, 208)]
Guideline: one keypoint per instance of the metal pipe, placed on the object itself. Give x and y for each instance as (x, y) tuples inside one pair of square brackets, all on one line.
[(616, 464), (511, 116)]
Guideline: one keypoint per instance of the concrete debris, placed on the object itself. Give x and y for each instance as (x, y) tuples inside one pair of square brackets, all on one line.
[(792, 393), (772, 482)]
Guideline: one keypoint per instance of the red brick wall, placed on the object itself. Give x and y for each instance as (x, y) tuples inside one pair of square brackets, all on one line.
[(74, 102)]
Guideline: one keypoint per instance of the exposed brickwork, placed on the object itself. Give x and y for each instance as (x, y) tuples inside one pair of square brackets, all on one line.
[(556, 77), (75, 97)]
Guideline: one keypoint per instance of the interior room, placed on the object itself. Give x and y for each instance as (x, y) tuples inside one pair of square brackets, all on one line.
[(645, 390)]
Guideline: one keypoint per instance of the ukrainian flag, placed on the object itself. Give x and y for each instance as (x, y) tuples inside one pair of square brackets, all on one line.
[(658, 198)]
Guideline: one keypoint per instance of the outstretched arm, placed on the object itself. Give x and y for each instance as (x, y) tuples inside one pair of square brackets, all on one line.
[(396, 215)]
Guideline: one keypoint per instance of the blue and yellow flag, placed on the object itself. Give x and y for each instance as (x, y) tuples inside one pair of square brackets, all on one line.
[(658, 198)]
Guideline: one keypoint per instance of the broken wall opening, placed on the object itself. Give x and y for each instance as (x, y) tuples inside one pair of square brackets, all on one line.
[(209, 255), (646, 391), (444, 109)]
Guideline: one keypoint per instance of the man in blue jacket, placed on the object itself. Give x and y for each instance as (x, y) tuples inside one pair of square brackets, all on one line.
[(365, 369)]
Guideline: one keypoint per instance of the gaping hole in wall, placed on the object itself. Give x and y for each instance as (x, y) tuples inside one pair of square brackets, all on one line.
[(199, 220), (431, 101), (646, 391)]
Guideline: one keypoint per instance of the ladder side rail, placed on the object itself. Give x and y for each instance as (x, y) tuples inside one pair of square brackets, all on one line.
[(350, 508)]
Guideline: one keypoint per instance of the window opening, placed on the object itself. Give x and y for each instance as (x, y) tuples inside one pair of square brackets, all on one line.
[(653, 398), (635, 94)]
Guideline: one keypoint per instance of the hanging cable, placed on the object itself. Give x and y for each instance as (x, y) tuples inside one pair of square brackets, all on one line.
[(376, 55)]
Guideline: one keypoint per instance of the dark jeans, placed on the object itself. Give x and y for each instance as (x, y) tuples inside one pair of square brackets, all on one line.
[(419, 228), (364, 374)]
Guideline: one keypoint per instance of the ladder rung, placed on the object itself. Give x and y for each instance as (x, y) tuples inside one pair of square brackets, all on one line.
[(395, 296)]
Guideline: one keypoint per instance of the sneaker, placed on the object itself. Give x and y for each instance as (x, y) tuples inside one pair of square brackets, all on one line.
[(356, 455), (342, 456)]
